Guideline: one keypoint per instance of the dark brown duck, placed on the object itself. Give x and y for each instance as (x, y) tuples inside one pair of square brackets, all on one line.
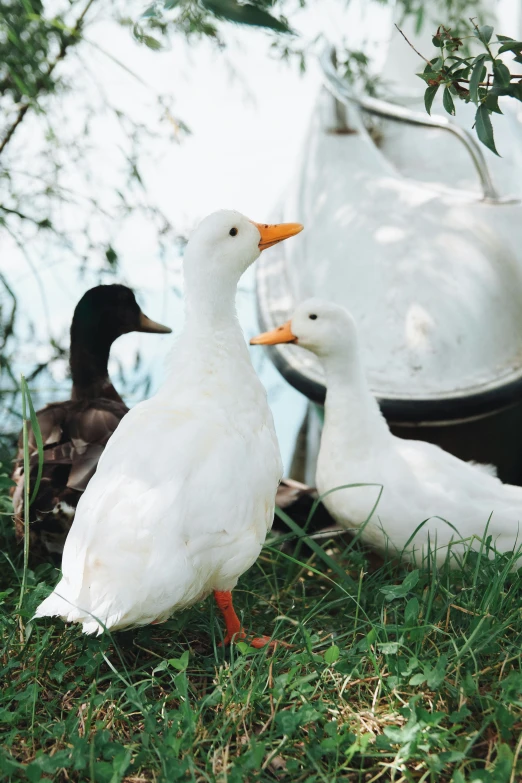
[(75, 432)]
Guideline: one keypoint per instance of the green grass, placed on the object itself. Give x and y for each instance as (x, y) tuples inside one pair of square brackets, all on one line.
[(394, 675)]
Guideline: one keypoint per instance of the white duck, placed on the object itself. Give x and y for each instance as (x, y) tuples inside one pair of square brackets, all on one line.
[(420, 482), (183, 496)]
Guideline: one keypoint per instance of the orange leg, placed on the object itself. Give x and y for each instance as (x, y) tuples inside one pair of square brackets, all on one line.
[(233, 626)]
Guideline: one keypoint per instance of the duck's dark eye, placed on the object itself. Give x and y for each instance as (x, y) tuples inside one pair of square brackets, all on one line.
[(312, 317), (233, 232)]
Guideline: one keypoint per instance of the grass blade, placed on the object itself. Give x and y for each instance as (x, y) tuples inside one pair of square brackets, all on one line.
[(25, 445), (319, 551), (37, 436)]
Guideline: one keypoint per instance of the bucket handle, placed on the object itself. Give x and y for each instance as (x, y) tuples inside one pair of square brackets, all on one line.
[(392, 111)]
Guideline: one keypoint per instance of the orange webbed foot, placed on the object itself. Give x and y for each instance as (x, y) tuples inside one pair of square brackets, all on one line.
[(265, 641), (235, 633)]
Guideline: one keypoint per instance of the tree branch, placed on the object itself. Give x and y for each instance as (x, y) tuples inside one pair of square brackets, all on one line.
[(66, 43), (45, 223)]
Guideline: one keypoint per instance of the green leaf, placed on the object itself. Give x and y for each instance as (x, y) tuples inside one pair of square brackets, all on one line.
[(150, 13), (437, 674), (504, 717), (399, 591), (148, 40), (359, 746), (287, 722), (433, 64), (429, 76), (120, 764), (462, 714), (492, 103), (59, 671), (411, 580), (458, 61), (503, 765), (388, 648), (502, 76), (484, 128), (151, 42), (332, 654), (429, 96), (411, 612), (477, 75), (510, 46), (450, 756), (512, 687), (516, 91), (485, 57), (111, 256), (244, 648), (469, 686), (180, 663), (437, 41), (447, 101), (34, 773), (245, 14), (484, 33), (371, 636)]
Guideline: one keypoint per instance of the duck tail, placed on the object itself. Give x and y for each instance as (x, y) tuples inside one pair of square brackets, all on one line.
[(57, 605)]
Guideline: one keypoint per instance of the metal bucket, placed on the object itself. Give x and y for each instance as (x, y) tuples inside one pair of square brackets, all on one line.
[(432, 274)]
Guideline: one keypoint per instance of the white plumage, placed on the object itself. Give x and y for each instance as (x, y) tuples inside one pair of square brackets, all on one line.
[(459, 503), (184, 492)]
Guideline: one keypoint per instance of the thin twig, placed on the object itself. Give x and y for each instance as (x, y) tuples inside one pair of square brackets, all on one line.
[(412, 46)]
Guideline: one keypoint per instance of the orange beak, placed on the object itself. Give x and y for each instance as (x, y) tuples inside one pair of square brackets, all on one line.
[(272, 234), (281, 334)]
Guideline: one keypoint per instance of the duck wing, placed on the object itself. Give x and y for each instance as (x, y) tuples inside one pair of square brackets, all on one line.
[(89, 431), (74, 434), (465, 492)]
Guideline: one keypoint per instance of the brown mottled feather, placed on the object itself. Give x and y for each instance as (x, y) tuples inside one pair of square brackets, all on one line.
[(74, 434)]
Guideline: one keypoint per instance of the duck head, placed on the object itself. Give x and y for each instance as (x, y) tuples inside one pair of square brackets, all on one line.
[(226, 243), (109, 311), (101, 316), (322, 327)]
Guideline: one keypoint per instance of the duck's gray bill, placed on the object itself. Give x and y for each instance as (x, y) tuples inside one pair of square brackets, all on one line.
[(148, 325)]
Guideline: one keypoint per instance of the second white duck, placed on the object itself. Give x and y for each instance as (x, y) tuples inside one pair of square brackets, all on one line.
[(431, 501)]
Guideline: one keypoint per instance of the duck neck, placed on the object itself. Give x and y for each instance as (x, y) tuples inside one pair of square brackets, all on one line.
[(89, 358), (353, 419), (211, 309)]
